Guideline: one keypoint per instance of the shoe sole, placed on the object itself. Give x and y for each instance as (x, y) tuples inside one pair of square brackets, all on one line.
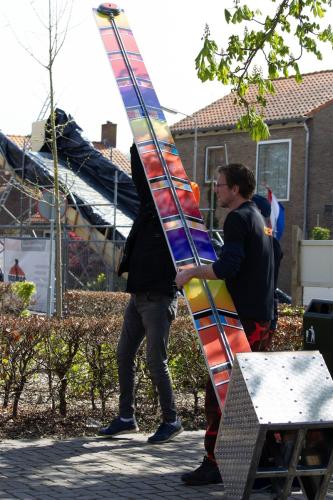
[(200, 483), (133, 431), (166, 440), (266, 489)]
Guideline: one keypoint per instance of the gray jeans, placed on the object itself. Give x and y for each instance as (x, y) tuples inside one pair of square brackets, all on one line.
[(148, 314)]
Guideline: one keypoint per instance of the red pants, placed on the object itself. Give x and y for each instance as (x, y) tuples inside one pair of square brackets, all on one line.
[(259, 336)]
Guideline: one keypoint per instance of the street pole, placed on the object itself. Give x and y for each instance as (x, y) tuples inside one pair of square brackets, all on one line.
[(115, 202), (50, 288), (195, 152)]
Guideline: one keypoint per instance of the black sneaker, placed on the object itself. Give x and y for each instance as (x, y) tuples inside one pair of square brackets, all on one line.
[(166, 432), (261, 484), (207, 473), (118, 426)]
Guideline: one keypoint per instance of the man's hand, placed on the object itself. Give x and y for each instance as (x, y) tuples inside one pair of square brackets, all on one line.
[(202, 272), (183, 276)]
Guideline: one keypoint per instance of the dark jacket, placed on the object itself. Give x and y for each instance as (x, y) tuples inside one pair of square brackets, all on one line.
[(247, 263), (146, 256)]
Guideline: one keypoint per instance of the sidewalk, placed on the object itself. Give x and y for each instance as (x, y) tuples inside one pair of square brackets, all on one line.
[(93, 468)]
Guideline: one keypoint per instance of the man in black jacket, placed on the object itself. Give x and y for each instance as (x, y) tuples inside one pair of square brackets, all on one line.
[(246, 264), (149, 313)]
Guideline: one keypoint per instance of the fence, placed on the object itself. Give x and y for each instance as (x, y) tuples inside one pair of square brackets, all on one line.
[(84, 264), (312, 268)]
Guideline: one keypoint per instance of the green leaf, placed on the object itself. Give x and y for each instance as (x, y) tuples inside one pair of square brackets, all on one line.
[(247, 13), (317, 10), (270, 87), (265, 42), (227, 15), (224, 72)]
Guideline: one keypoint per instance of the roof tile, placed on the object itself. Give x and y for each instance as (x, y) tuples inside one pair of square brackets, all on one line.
[(291, 101), (116, 156), (22, 141)]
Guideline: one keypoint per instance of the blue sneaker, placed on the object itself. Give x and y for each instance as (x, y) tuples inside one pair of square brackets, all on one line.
[(166, 432), (118, 426)]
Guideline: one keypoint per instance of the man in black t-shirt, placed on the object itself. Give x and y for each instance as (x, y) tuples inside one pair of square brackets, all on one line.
[(149, 313), (246, 264)]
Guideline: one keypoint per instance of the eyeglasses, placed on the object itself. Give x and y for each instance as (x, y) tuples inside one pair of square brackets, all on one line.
[(220, 185)]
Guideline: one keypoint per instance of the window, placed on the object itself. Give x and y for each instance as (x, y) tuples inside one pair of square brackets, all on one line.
[(216, 156), (273, 168)]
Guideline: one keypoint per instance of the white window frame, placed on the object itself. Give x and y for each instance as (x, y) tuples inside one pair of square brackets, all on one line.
[(289, 163), (221, 146)]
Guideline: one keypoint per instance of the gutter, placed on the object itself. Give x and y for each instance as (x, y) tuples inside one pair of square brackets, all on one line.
[(306, 177), (232, 126)]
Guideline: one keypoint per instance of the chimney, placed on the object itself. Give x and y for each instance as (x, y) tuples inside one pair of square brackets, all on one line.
[(37, 135), (109, 134)]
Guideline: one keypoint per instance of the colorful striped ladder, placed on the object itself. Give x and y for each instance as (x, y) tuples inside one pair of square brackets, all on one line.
[(215, 318)]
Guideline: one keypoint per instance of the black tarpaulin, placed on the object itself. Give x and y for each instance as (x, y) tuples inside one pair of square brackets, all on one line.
[(82, 157), (94, 201)]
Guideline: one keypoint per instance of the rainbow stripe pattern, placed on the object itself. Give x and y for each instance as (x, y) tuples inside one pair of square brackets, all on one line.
[(215, 318)]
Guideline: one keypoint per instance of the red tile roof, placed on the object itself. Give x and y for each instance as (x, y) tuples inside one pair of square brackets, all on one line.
[(22, 141), (116, 156), (290, 102)]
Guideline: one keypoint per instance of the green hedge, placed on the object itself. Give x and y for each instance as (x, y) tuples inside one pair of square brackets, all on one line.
[(82, 303), (74, 360)]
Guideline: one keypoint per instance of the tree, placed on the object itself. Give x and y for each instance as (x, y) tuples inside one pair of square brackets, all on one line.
[(55, 43), (267, 38), (56, 27)]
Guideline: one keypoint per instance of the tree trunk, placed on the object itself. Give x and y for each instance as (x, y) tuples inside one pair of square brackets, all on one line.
[(17, 396), (92, 396), (196, 402), (8, 386), (50, 384), (62, 397)]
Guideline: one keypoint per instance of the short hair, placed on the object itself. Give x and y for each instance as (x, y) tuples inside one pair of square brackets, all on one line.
[(237, 174)]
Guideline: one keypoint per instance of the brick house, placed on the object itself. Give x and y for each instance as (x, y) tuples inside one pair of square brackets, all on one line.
[(296, 161)]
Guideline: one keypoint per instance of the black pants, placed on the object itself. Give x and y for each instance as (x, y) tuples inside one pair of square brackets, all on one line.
[(149, 315)]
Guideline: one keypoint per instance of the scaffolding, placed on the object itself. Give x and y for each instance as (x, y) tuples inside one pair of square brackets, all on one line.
[(91, 252)]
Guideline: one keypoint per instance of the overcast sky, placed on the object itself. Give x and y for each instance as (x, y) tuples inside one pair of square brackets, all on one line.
[(169, 37)]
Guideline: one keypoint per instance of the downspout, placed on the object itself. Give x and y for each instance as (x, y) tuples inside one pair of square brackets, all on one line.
[(306, 178)]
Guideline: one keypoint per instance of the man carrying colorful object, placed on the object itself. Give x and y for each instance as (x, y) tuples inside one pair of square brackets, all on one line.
[(149, 313), (247, 266), (215, 318), (214, 315)]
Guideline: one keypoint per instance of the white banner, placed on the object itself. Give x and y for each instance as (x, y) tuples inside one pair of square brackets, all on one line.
[(28, 259)]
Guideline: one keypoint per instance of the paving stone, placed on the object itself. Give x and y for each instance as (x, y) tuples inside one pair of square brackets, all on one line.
[(91, 468)]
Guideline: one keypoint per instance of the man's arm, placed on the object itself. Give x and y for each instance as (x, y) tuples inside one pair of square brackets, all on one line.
[(201, 272), (231, 258)]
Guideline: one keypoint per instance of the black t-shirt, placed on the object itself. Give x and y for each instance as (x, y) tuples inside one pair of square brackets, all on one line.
[(247, 262)]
